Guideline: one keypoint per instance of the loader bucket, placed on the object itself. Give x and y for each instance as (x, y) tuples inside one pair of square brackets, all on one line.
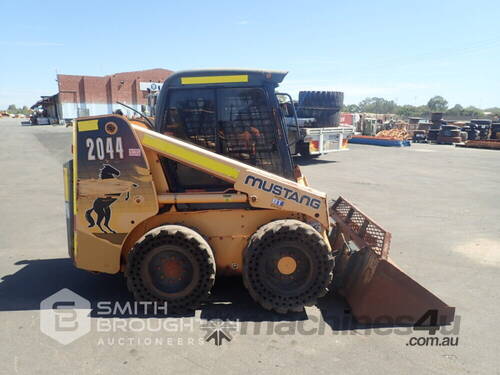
[(377, 291)]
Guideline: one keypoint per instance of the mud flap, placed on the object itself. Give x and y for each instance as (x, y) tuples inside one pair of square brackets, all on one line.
[(377, 291)]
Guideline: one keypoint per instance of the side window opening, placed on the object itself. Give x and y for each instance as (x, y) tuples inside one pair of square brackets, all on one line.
[(235, 122), (191, 116), (247, 129)]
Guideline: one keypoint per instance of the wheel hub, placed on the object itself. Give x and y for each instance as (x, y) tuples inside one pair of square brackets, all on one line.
[(172, 269), (287, 269), (287, 265)]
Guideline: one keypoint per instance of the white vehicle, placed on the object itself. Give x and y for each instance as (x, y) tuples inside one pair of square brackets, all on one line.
[(306, 137)]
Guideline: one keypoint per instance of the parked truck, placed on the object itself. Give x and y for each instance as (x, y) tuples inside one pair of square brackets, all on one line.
[(312, 123)]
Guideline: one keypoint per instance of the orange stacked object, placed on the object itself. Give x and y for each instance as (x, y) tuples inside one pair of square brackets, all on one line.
[(400, 134)]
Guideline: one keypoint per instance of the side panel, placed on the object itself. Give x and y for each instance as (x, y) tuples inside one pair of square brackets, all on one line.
[(114, 190)]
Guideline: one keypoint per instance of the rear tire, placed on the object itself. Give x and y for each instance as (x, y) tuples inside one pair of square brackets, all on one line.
[(172, 264), (287, 265)]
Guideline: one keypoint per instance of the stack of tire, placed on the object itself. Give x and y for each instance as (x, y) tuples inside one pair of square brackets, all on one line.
[(449, 134), (483, 126), (419, 136), (433, 132), (495, 130), (324, 106), (472, 132), (436, 116)]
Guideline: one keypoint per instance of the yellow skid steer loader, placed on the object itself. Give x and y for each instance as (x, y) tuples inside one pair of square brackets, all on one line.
[(211, 189)]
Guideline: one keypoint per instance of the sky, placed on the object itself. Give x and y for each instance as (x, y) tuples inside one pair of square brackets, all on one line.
[(407, 51)]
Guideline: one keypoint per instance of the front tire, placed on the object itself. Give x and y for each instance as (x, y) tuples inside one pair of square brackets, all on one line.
[(287, 265), (172, 264)]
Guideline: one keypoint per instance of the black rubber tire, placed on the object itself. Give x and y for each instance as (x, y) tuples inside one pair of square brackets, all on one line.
[(326, 117), (308, 282), (436, 116), (321, 99), (436, 125), (448, 140), (449, 132), (335, 119), (171, 239), (432, 134), (324, 106)]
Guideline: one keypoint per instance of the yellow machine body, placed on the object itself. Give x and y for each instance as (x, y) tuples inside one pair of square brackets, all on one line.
[(140, 191)]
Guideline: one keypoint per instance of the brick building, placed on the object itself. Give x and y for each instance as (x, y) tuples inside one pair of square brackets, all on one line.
[(80, 96)]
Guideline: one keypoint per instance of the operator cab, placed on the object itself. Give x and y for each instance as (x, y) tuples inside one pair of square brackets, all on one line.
[(232, 112)]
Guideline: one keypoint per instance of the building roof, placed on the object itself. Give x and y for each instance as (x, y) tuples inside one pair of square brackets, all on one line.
[(128, 75), (45, 100)]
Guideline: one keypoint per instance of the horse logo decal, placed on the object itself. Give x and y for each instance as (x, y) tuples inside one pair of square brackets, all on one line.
[(110, 189)]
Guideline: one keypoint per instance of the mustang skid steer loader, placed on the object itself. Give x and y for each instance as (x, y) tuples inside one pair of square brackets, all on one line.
[(210, 189)]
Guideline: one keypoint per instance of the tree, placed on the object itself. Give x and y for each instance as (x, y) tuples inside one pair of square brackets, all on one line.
[(377, 105), (437, 104), (12, 109), (407, 111), (351, 108), (495, 111), (25, 110), (472, 111), (456, 110)]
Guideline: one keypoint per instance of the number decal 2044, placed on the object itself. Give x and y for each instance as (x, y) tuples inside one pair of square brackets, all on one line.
[(104, 148)]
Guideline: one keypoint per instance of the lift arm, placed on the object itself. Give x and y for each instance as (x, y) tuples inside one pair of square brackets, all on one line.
[(263, 189)]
